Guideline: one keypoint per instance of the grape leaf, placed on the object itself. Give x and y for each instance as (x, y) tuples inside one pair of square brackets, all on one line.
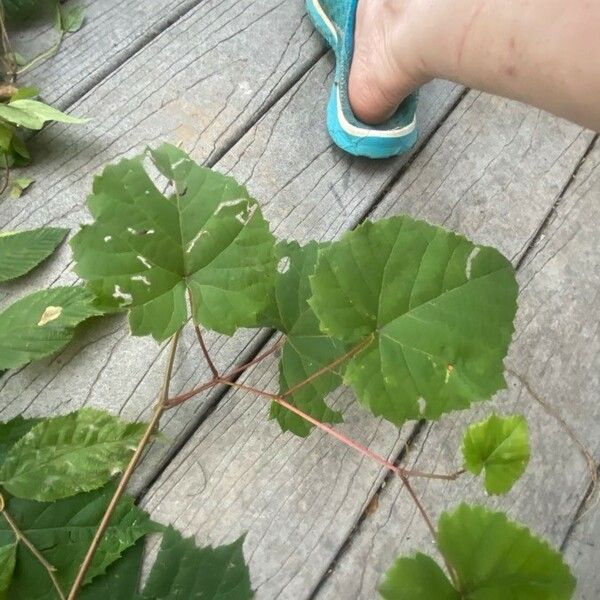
[(144, 250), (120, 582), (42, 323), (34, 114), (8, 557), (12, 431), (182, 570), (417, 578), (21, 251), (62, 532), (62, 456), (306, 348), (434, 311), (500, 447), (495, 558)]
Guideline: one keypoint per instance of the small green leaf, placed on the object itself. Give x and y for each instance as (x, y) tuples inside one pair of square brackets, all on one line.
[(434, 311), (42, 323), (62, 456), (21, 251), (417, 578), (62, 532), (306, 349), (25, 93), (8, 558), (500, 447), (71, 18), (495, 558), (120, 582), (144, 251), (33, 114), (12, 431), (182, 570), (19, 185)]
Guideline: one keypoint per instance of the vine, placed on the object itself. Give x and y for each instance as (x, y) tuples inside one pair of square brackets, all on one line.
[(415, 319)]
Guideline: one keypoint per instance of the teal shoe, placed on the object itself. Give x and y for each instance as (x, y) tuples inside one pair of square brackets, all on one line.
[(334, 20)]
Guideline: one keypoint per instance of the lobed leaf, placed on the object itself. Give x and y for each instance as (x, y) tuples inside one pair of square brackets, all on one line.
[(65, 455), (434, 310), (144, 250), (500, 447), (62, 532), (306, 349), (21, 251), (42, 323), (182, 570)]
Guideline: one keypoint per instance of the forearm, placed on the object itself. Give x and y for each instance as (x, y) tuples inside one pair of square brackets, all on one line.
[(543, 52)]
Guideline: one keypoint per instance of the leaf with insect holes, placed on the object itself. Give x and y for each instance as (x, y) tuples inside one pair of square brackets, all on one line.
[(33, 114), (62, 531), (8, 557), (306, 348), (417, 578), (182, 570), (434, 311), (65, 455), (493, 559), (21, 251), (42, 323), (500, 447), (145, 250)]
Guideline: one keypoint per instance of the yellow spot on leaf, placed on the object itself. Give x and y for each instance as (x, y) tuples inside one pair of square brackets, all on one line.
[(51, 313)]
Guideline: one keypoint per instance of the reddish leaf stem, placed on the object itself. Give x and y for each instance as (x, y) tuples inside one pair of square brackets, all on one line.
[(207, 357)]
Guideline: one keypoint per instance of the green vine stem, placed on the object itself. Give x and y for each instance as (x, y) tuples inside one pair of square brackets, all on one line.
[(159, 408), (38, 555)]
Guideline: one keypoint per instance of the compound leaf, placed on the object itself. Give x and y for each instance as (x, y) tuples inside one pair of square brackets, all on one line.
[(417, 578), (8, 557), (306, 349), (62, 456), (182, 570), (62, 532), (21, 251), (495, 558), (434, 311), (145, 250), (500, 447), (42, 323), (33, 114)]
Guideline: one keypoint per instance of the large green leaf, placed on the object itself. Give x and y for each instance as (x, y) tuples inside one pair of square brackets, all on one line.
[(417, 578), (500, 447), (8, 558), (42, 323), (62, 456), (144, 249), (434, 310), (120, 582), (62, 532), (306, 349), (21, 251), (25, 10), (12, 431), (495, 558), (182, 571), (33, 114)]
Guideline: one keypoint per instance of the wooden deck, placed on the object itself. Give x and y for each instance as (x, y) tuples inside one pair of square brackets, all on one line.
[(243, 85)]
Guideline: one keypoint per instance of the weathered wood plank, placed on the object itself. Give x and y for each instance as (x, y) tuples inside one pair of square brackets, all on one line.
[(112, 32), (109, 367), (300, 500), (583, 552), (557, 351)]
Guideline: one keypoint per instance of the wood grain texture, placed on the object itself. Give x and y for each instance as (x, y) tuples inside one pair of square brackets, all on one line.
[(301, 500), (557, 352), (105, 366), (112, 32)]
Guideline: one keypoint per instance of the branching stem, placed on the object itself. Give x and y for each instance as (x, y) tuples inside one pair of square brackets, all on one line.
[(21, 537), (152, 425)]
